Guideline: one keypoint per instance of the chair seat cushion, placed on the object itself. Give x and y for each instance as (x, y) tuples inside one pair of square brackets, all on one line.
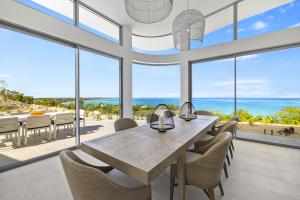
[(123, 179)]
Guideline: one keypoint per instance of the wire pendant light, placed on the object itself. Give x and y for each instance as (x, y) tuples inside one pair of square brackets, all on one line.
[(188, 25), (148, 11)]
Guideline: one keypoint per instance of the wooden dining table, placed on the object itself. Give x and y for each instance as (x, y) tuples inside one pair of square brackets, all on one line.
[(145, 153)]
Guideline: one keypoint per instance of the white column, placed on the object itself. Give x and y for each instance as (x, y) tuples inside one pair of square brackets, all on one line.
[(184, 77), (127, 72)]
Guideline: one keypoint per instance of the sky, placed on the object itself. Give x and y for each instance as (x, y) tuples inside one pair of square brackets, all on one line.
[(42, 68)]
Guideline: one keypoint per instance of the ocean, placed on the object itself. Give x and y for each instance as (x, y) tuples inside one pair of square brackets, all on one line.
[(256, 106)]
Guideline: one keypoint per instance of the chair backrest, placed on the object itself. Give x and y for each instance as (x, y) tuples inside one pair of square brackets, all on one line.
[(230, 126), (235, 118), (9, 124), (153, 117), (203, 112), (124, 123), (82, 113), (64, 118), (86, 182), (205, 172), (38, 121), (20, 113)]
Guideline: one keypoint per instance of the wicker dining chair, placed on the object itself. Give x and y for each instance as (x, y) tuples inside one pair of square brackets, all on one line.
[(204, 171), (124, 123), (87, 182), (231, 127)]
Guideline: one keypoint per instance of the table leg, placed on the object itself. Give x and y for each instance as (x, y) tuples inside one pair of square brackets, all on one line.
[(181, 176)]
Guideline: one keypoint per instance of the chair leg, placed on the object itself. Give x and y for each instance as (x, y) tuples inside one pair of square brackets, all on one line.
[(221, 189), (228, 160), (230, 150), (232, 145), (225, 170), (211, 194)]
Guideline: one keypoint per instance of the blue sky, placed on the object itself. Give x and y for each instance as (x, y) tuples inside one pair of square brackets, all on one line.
[(45, 69)]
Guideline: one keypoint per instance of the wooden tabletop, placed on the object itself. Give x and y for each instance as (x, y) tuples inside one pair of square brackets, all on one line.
[(144, 153)]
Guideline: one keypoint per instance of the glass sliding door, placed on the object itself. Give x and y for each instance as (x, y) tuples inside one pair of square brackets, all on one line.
[(213, 87), (99, 93), (153, 85), (37, 84), (268, 95)]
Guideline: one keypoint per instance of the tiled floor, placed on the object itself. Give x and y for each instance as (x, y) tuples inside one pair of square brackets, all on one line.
[(257, 172)]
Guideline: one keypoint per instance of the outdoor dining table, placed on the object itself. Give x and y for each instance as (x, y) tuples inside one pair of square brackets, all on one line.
[(144, 153), (22, 118)]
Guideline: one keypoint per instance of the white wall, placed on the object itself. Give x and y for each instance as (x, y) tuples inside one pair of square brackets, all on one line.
[(18, 14)]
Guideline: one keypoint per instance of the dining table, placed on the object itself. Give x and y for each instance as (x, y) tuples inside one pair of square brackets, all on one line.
[(144, 153)]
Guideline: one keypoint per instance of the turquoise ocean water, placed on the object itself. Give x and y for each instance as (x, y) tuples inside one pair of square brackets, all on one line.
[(256, 106)]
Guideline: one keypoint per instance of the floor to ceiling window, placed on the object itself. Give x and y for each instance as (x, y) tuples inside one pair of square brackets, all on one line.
[(153, 85), (258, 18), (213, 87), (60, 9), (99, 91), (268, 93), (37, 80)]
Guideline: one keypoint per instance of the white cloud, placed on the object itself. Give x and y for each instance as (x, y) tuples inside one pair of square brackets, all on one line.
[(271, 17), (241, 30), (295, 25), (259, 25), (5, 75)]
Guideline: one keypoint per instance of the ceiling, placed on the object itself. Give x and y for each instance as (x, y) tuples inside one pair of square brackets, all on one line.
[(115, 10)]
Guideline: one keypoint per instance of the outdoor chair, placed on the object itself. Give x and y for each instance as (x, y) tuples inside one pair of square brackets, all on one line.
[(124, 123), (36, 123), (63, 120), (82, 116), (9, 126), (93, 183), (204, 171)]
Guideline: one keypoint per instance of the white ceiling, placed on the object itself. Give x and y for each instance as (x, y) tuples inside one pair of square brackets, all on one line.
[(115, 10)]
